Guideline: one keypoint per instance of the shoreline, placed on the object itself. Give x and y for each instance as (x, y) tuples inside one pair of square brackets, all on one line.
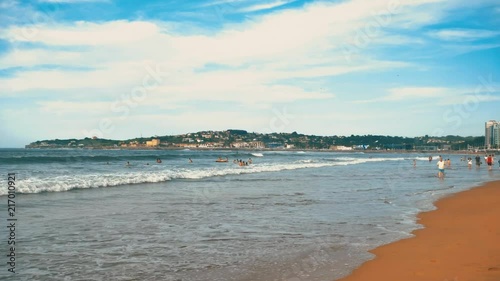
[(459, 242), (426, 152)]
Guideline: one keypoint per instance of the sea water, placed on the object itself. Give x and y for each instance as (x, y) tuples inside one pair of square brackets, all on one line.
[(289, 215)]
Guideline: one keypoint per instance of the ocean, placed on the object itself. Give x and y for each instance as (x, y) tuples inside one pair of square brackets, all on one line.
[(290, 215)]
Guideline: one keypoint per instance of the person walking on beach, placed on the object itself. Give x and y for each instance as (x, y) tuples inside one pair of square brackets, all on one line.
[(441, 164)]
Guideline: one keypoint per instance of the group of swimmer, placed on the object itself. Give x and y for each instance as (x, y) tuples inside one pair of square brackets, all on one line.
[(241, 163), (442, 164), (489, 159), (158, 160)]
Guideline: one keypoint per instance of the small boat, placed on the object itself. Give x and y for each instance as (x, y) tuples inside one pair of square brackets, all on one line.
[(220, 160)]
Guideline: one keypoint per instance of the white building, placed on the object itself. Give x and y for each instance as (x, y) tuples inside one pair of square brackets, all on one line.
[(340, 147), (492, 134)]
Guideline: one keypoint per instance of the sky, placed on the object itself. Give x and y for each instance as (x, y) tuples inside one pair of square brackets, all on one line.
[(119, 69)]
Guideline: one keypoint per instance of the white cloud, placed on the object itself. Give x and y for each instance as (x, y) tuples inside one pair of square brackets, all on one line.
[(463, 34), (116, 33), (115, 77), (265, 6), (424, 97), (410, 93), (265, 53), (290, 44), (398, 40), (60, 107)]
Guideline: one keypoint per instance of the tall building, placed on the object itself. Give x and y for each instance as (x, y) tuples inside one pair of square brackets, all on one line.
[(492, 134), (496, 135)]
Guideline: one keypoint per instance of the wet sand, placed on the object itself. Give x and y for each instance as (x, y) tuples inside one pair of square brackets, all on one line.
[(460, 242)]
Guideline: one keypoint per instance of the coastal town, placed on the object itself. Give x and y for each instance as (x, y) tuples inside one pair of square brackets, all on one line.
[(242, 139)]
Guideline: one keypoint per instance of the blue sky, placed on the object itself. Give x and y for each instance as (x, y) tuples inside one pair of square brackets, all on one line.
[(122, 68)]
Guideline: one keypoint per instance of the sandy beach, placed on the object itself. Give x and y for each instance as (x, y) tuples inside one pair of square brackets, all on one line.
[(460, 242)]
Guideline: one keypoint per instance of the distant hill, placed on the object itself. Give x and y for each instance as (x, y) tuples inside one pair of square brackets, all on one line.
[(234, 138)]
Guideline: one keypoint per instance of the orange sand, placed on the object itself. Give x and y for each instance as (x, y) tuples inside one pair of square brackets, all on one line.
[(460, 242)]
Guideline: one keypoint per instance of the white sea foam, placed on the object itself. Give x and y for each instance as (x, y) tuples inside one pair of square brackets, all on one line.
[(421, 158), (426, 158), (257, 154), (38, 184)]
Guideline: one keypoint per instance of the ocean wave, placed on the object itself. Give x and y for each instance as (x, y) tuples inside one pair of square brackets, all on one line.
[(424, 158), (68, 159), (56, 159), (37, 184), (354, 160)]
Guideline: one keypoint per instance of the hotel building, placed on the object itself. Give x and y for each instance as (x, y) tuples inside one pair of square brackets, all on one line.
[(492, 134)]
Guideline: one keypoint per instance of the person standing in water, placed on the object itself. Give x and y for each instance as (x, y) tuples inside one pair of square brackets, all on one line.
[(441, 165), (489, 161), (478, 161)]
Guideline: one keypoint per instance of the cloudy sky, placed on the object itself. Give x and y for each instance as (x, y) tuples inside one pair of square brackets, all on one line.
[(125, 68)]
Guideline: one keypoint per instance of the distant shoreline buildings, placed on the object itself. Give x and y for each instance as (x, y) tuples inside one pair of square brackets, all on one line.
[(492, 134), (241, 139)]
